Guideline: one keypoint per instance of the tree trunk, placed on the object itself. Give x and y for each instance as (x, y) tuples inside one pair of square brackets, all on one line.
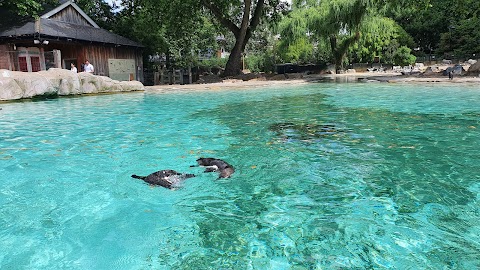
[(234, 63), (340, 49), (242, 34), (336, 57)]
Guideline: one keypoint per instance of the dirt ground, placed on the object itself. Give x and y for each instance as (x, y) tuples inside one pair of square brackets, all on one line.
[(214, 82)]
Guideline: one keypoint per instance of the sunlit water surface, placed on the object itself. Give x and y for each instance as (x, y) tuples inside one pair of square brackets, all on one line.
[(328, 176)]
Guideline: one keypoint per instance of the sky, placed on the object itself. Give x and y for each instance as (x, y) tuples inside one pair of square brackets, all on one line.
[(117, 2), (110, 2)]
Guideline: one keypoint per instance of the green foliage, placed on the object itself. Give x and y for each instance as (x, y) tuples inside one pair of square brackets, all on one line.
[(214, 62), (462, 40), (295, 25), (381, 36), (176, 29), (403, 57), (313, 31), (300, 51), (334, 21), (261, 62), (322, 53), (434, 29), (29, 8), (353, 29), (242, 18), (99, 10), (206, 34), (18, 12), (295, 45)]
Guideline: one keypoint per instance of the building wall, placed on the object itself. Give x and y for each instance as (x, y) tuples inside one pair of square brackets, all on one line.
[(70, 15), (4, 57), (97, 54)]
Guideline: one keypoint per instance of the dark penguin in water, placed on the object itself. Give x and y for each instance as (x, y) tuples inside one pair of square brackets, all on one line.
[(216, 165), (165, 178)]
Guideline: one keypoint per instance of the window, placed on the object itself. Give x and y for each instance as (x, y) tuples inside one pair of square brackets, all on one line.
[(22, 63), (35, 63)]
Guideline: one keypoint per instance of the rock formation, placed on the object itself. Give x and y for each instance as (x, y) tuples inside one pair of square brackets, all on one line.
[(474, 69), (61, 82)]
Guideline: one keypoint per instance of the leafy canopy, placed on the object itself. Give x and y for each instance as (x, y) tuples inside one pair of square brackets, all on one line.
[(18, 12)]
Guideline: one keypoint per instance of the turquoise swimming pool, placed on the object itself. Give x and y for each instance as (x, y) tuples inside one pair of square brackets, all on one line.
[(328, 176)]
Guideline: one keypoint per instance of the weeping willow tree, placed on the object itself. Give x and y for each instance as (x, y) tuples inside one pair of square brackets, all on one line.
[(377, 34), (296, 42), (339, 23), (381, 36), (333, 22)]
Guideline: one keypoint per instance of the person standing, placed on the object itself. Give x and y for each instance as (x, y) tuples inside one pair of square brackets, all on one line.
[(73, 68), (88, 67)]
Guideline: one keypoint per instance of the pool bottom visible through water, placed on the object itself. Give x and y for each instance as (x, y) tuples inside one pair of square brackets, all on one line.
[(328, 176)]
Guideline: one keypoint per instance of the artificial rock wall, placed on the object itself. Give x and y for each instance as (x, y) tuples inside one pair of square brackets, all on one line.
[(18, 85)]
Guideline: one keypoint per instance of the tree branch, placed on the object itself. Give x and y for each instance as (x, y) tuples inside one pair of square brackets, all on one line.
[(219, 15), (245, 33), (257, 15), (255, 20)]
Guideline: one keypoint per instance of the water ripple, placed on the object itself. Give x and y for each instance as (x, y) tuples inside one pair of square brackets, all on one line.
[(327, 176)]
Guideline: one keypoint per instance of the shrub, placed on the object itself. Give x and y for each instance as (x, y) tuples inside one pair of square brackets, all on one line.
[(213, 63), (403, 56), (263, 62)]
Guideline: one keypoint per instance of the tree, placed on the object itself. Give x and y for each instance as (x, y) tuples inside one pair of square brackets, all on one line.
[(434, 29), (296, 45), (241, 18), (99, 10), (341, 23), (300, 51), (171, 30), (334, 21), (25, 7), (403, 57), (381, 36), (18, 12), (462, 39)]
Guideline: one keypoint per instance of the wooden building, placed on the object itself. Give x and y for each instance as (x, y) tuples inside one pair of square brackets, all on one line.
[(67, 35)]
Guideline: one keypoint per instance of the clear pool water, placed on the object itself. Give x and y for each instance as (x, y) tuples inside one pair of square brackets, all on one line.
[(328, 176)]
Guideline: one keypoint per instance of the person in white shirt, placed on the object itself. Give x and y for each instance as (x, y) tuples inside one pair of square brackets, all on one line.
[(73, 68), (88, 67)]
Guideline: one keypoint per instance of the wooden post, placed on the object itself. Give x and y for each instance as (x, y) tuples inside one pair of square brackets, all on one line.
[(177, 76), (156, 77), (57, 59), (42, 60), (190, 81)]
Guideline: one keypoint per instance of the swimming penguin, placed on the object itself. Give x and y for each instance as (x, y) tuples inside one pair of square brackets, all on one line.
[(216, 165), (165, 178)]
